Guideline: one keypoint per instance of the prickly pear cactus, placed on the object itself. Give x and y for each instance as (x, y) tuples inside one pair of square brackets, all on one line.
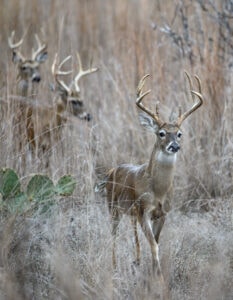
[(65, 185), (40, 192), (9, 183), (17, 204), (40, 187)]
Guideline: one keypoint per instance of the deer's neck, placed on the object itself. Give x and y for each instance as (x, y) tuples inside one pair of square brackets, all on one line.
[(27, 88), (23, 87), (161, 170)]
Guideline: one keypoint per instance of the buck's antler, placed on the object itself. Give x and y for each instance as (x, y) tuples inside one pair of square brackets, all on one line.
[(81, 73), (40, 49), (14, 46), (56, 71), (196, 105), (141, 95)]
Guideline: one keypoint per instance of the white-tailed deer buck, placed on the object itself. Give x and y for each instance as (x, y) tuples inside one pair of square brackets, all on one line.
[(141, 191), (28, 78), (70, 97), (28, 68), (45, 123)]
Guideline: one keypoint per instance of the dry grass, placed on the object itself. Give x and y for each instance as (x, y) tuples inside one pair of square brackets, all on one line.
[(67, 255)]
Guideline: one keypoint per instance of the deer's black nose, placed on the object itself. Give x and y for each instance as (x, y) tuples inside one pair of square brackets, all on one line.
[(36, 78), (174, 147), (88, 117)]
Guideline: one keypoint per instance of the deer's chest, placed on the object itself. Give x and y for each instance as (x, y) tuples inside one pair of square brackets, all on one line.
[(161, 181)]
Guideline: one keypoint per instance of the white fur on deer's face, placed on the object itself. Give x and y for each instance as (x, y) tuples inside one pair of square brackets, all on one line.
[(168, 136)]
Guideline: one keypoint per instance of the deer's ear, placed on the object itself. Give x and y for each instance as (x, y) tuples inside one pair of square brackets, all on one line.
[(148, 122), (41, 57), (16, 57)]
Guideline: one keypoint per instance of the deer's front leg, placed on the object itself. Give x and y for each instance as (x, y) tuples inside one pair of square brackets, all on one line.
[(159, 214), (158, 219), (157, 227), (146, 222)]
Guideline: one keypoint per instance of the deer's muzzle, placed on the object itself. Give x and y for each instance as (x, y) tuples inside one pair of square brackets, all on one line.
[(173, 147), (36, 78)]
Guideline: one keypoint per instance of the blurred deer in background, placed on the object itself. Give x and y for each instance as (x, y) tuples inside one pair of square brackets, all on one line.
[(28, 68), (28, 78), (70, 99), (47, 122), (142, 191)]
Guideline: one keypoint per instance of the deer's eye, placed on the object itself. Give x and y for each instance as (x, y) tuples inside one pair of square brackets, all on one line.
[(162, 133), (77, 103), (179, 134)]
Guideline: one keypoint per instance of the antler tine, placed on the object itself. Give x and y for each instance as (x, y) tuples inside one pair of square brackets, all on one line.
[(140, 86), (196, 105), (13, 45), (56, 71), (81, 73), (190, 84), (141, 95), (61, 64), (198, 82), (41, 47)]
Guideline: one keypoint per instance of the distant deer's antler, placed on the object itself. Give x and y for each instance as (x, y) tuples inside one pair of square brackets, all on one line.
[(40, 49), (14, 46), (81, 73), (141, 95), (196, 105), (56, 71)]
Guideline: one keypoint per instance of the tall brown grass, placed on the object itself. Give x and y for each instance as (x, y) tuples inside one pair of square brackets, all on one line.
[(67, 255)]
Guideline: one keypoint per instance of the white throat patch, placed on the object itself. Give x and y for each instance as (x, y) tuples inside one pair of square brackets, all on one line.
[(166, 158)]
